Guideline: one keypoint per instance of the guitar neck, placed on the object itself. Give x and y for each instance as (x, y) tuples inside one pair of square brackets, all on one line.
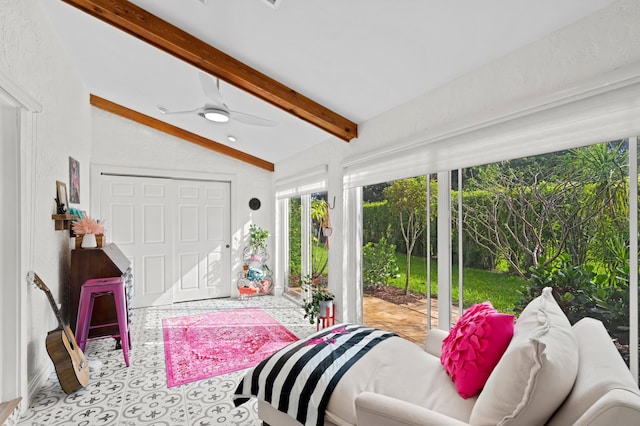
[(54, 306), (42, 286)]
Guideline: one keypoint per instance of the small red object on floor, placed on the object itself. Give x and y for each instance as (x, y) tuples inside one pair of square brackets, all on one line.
[(329, 319), (247, 292)]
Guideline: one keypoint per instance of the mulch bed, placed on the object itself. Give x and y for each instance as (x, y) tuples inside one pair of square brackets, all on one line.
[(394, 295)]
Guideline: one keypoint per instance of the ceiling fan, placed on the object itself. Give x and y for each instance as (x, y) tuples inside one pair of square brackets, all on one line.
[(215, 109)]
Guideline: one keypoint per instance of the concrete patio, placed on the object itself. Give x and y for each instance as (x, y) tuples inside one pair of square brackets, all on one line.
[(408, 321)]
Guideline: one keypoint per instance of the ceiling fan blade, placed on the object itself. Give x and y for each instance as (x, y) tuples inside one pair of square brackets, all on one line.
[(211, 90), (167, 111), (251, 119), (163, 109)]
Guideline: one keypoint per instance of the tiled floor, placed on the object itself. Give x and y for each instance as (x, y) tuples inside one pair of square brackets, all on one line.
[(138, 395)]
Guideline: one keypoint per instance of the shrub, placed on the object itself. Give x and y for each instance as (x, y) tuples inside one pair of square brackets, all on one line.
[(379, 263), (573, 288)]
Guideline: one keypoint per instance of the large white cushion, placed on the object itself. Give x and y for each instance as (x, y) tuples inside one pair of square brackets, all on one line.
[(604, 392), (536, 372), (399, 369)]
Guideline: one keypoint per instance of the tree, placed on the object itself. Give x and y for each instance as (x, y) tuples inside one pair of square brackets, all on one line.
[(373, 193), (407, 198), (532, 210)]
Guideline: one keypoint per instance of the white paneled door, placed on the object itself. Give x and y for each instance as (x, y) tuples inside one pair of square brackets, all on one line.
[(202, 240), (175, 232)]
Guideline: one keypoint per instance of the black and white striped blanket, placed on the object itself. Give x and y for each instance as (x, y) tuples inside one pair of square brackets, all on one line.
[(299, 378)]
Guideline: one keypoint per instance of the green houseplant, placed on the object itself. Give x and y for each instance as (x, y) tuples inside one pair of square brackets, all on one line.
[(258, 237), (319, 295)]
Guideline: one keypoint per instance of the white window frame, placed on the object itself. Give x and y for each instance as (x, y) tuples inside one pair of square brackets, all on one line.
[(604, 108), (303, 185)]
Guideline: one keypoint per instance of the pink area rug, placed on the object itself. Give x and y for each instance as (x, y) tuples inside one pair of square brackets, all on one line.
[(200, 346)]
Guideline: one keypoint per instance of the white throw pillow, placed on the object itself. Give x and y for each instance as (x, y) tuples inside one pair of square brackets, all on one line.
[(536, 372)]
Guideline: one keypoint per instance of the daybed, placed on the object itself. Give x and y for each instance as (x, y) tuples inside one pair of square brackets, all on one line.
[(551, 373)]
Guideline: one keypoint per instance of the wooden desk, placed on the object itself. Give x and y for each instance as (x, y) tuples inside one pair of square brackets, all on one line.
[(88, 263)]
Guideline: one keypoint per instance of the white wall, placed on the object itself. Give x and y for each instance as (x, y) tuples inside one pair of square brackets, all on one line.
[(603, 42), (118, 142), (32, 57), (544, 70)]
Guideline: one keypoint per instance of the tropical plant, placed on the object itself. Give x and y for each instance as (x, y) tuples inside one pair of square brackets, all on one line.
[(574, 288), (316, 293)]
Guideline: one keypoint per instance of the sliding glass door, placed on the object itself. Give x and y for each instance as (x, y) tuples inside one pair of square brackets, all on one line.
[(505, 230), (308, 232)]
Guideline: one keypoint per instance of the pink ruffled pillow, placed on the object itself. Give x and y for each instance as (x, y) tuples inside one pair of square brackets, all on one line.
[(474, 346)]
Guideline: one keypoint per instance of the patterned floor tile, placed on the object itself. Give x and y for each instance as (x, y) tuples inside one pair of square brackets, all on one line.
[(138, 394)]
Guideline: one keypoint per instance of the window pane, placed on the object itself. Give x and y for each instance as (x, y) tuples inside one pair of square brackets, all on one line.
[(319, 236), (295, 247), (559, 219), (395, 257)]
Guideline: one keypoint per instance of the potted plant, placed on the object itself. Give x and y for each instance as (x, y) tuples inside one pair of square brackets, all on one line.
[(258, 237), (87, 229), (319, 300)]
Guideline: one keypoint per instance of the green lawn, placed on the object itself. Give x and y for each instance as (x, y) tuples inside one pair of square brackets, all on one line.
[(479, 285)]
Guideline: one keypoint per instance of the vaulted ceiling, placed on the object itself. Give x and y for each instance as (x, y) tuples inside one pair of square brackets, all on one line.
[(313, 69)]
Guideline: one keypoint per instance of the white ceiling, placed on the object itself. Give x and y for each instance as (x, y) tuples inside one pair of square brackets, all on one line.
[(359, 58)]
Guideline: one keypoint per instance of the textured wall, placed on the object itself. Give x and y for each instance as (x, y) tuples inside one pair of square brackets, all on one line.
[(32, 57), (600, 43), (591, 47)]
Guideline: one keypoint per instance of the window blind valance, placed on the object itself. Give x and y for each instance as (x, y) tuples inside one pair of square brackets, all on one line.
[(312, 181), (605, 109)]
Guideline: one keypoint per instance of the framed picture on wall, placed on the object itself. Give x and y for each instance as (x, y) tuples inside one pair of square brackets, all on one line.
[(62, 201), (74, 181)]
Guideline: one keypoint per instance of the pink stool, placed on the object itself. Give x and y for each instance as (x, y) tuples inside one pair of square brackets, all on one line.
[(100, 287)]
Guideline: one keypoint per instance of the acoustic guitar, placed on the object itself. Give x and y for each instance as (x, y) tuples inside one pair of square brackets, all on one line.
[(70, 363)]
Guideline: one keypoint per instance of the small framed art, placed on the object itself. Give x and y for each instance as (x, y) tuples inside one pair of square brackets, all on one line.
[(74, 181), (62, 200)]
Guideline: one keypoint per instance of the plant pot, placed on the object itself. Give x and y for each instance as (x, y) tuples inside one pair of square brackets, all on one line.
[(326, 308), (89, 241)]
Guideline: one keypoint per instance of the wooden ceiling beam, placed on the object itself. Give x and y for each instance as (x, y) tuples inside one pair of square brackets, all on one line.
[(172, 130), (138, 22)]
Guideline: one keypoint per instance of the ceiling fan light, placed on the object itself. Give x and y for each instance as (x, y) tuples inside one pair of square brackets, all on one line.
[(216, 115)]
